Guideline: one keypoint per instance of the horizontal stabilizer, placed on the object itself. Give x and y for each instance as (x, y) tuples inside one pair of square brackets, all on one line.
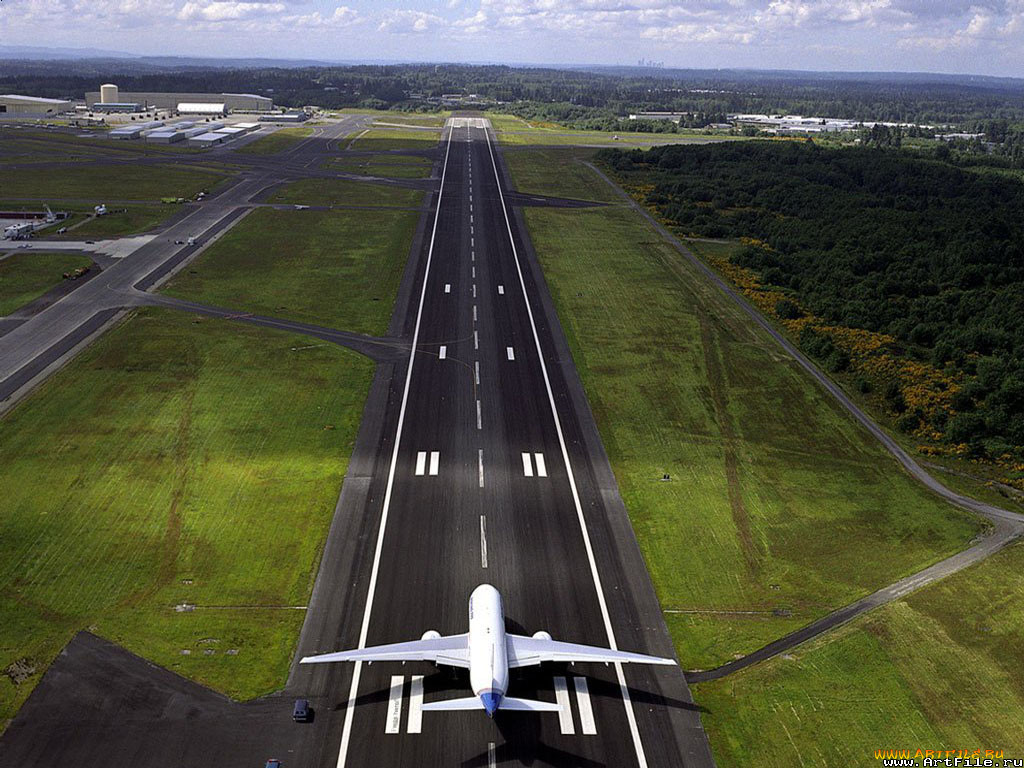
[(454, 705), (473, 703)]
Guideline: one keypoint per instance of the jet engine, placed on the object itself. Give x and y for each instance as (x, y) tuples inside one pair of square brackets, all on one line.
[(542, 635), (431, 634)]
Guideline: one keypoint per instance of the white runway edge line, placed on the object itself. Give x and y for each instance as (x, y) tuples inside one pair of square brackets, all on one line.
[(346, 734), (602, 602)]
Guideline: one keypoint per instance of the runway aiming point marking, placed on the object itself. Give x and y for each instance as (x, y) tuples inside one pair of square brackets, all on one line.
[(527, 465), (421, 462)]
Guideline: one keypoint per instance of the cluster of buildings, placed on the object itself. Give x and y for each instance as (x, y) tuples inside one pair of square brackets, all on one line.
[(206, 134), (780, 125)]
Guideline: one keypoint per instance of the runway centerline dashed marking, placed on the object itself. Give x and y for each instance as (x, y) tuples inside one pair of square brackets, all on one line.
[(474, 313), (510, 353), (565, 708), (434, 459), (477, 366), (492, 755), (587, 724), (415, 724), (394, 722), (483, 541), (443, 352), (479, 423), (501, 290), (474, 290), (447, 287), (476, 340), (480, 465)]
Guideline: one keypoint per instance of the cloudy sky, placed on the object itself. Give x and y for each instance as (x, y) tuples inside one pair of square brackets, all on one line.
[(963, 36)]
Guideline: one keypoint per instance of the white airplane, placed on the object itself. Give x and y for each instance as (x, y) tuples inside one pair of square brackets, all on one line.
[(489, 653)]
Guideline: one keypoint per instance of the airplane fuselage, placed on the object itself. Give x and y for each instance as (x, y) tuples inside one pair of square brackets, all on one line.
[(488, 651)]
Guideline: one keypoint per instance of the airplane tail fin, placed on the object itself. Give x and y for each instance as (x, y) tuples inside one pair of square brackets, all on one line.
[(453, 705), (528, 705)]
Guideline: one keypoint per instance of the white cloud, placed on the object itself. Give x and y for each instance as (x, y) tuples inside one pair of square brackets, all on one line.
[(227, 10), (408, 21)]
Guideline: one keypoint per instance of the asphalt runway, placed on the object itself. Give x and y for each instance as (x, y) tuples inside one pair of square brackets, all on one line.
[(480, 490)]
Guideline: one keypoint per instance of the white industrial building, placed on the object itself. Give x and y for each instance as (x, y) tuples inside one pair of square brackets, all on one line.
[(165, 136), (109, 93), (33, 106), (198, 108), (206, 140), (136, 130)]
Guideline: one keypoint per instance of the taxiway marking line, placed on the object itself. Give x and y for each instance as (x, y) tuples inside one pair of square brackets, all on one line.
[(627, 702), (415, 724), (483, 541), (394, 722), (434, 457), (565, 709), (587, 724), (346, 733)]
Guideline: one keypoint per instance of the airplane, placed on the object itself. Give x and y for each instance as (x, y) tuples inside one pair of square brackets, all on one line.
[(489, 653)]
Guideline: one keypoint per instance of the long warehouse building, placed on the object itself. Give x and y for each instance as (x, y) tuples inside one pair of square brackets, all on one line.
[(233, 102)]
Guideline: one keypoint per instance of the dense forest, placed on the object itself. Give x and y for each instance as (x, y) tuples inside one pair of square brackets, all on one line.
[(903, 273), (574, 97)]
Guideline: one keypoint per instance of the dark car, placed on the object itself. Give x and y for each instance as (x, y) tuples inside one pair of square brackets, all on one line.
[(273, 764), (302, 713)]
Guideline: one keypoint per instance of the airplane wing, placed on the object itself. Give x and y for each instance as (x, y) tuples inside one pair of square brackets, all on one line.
[(529, 651), (452, 651)]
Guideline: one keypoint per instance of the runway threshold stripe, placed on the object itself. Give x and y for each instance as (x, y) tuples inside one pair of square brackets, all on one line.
[(346, 733), (527, 465), (620, 675), (421, 462), (565, 711), (587, 724), (415, 724), (394, 721), (434, 457), (542, 470)]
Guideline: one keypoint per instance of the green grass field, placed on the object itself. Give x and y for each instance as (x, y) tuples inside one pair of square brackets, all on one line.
[(334, 268), (779, 504), (392, 166), (514, 131), (384, 139), (27, 275), (939, 670), (104, 183), (344, 192), (122, 220), (558, 172), (175, 461), (279, 141)]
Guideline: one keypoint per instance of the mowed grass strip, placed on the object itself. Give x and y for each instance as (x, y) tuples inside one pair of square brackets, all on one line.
[(345, 192), (27, 275), (558, 172), (120, 221), (278, 141), (335, 268), (778, 504), (107, 182), (939, 670), (176, 461), (383, 139), (393, 166)]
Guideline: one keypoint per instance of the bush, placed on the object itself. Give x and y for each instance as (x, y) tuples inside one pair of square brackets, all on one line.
[(787, 309)]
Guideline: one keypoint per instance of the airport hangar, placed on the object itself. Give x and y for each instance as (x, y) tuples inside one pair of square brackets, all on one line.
[(33, 106), (232, 102)]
